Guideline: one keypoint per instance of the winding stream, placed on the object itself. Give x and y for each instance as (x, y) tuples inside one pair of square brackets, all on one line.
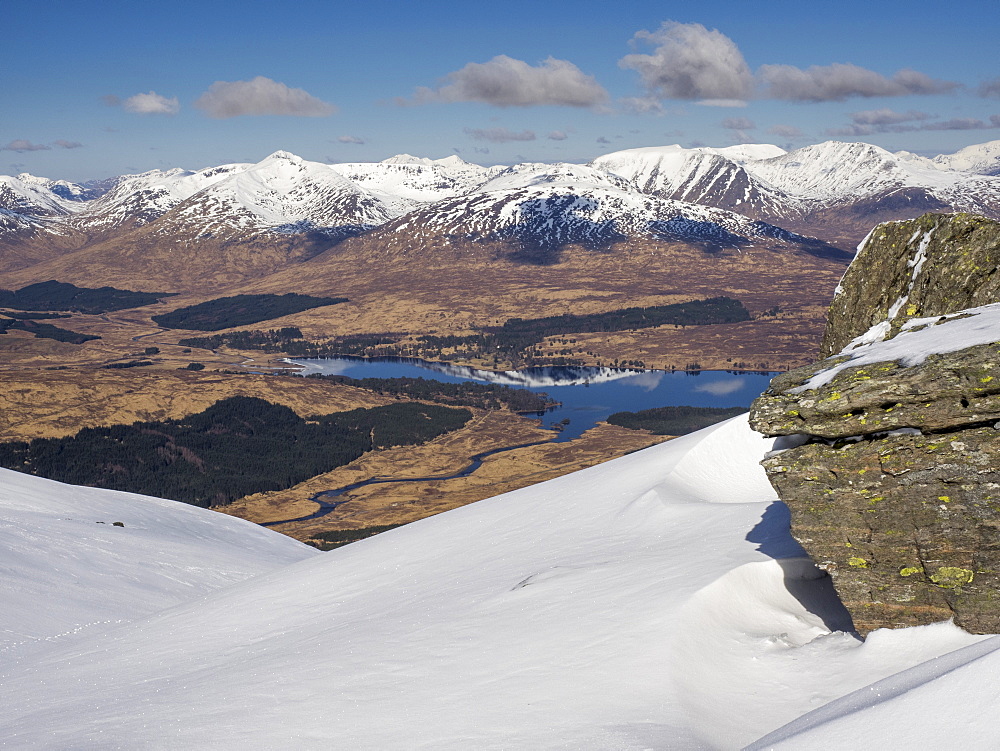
[(586, 396)]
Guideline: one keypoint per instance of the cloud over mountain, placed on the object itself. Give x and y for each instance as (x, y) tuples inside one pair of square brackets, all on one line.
[(690, 62), (506, 82), (260, 96)]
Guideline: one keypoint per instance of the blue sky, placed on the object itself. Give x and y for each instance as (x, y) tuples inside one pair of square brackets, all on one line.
[(92, 90)]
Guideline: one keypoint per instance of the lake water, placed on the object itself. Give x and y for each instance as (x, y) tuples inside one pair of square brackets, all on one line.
[(587, 395)]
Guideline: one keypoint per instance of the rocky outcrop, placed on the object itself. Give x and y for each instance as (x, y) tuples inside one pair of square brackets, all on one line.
[(891, 461), (937, 264)]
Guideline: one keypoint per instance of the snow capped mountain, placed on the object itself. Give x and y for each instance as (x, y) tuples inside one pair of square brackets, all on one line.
[(136, 200), (821, 190), (833, 190), (654, 601), (544, 207), (282, 194), (406, 182), (34, 196), (713, 177), (981, 159)]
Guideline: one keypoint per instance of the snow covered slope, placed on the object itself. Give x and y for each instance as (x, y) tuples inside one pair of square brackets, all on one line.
[(546, 206), (775, 185), (656, 601), (407, 181), (283, 194), (67, 568)]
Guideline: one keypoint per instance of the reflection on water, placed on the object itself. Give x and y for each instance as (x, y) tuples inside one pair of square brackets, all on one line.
[(587, 395)]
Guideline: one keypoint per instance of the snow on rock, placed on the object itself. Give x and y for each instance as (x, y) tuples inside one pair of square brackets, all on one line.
[(918, 338), (623, 607), (67, 567)]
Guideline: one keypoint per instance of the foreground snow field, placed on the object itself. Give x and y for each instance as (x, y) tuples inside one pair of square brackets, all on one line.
[(653, 602)]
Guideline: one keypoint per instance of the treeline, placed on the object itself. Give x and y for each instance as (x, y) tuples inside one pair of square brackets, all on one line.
[(482, 395), (240, 310), (514, 342), (338, 537), (53, 295), (674, 420), (238, 446), (44, 330)]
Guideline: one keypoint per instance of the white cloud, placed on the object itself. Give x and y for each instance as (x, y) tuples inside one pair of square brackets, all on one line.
[(67, 144), (260, 96), (557, 135), (840, 81), (22, 145), (690, 62), (350, 139), (506, 82), (500, 135), (150, 103)]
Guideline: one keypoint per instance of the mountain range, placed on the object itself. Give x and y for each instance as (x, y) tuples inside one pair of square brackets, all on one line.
[(622, 194)]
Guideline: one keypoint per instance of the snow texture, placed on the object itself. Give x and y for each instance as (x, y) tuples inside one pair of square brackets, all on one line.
[(655, 601), (918, 338)]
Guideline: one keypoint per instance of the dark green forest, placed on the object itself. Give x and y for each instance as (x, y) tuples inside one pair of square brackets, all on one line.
[(482, 395), (44, 330), (240, 310), (238, 446), (674, 420), (53, 295)]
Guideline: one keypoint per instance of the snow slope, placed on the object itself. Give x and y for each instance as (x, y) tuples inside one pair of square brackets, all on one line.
[(655, 601), (550, 205), (766, 181), (67, 568)]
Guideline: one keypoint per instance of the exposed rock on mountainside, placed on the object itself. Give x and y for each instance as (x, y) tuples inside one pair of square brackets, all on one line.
[(894, 477)]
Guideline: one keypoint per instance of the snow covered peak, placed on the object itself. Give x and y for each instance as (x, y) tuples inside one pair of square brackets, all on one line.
[(530, 174), (283, 155), (980, 159), (449, 161), (282, 193)]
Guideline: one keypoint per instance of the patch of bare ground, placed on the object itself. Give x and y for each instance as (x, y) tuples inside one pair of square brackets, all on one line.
[(404, 502), (52, 404)]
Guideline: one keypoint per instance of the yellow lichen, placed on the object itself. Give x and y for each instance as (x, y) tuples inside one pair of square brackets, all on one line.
[(952, 577), (857, 562), (910, 571)]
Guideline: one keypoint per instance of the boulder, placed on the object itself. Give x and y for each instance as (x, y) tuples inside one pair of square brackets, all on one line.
[(893, 477)]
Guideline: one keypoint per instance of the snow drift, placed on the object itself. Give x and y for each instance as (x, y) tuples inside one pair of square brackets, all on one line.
[(655, 601)]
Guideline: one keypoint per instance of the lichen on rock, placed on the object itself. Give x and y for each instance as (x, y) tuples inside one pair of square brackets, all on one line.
[(895, 488)]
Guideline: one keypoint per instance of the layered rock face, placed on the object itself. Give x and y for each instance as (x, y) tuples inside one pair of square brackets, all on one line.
[(892, 470)]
